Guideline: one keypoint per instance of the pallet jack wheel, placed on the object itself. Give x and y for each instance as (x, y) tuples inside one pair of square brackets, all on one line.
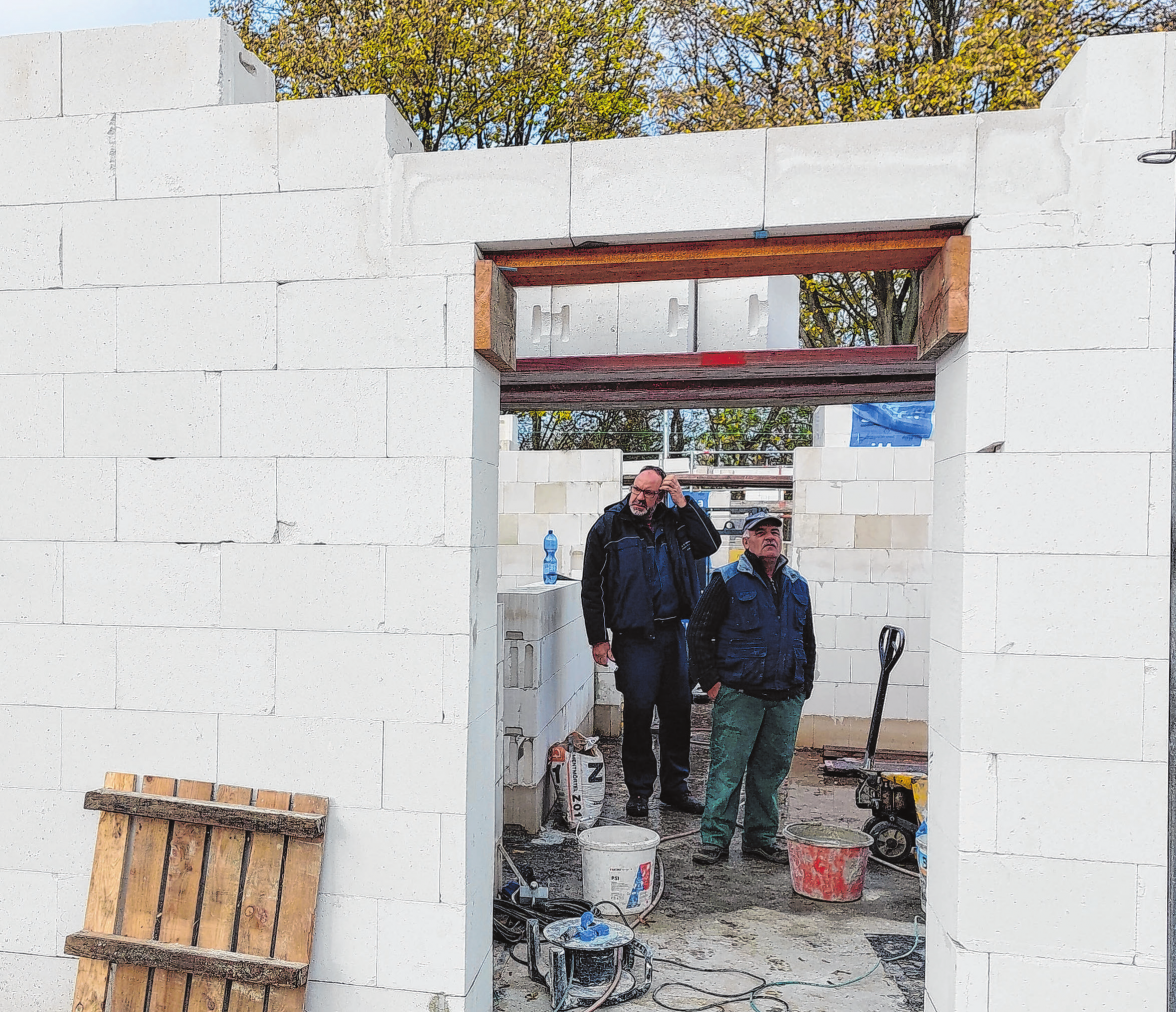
[(891, 842)]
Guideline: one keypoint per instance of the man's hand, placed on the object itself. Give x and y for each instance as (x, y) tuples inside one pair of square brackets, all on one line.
[(713, 691), (602, 653), (670, 485)]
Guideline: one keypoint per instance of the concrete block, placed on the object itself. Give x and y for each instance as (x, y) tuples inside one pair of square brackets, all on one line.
[(1020, 984), (169, 65), (304, 414), (858, 632), (908, 600), (839, 463), (1160, 311), (551, 497), (132, 584), (1116, 86), (968, 387), (857, 700), (914, 463), (38, 982), (1008, 313), (926, 168), (1035, 792), (817, 563), (806, 463), (1043, 599), (835, 531), (1049, 497), (338, 758), (635, 189), (346, 930), (27, 923), (425, 768), (910, 533), (303, 236), (655, 318), (371, 666), (534, 321), (192, 152), (48, 831), (1074, 391), (30, 246), (851, 565), (732, 314), (965, 601), (604, 466), (421, 946), (517, 497), (869, 532), (588, 319), (1047, 907), (57, 665), (30, 753), (805, 528), (384, 855), (967, 812), (517, 196), (823, 497), (170, 241), (30, 581), (1022, 163), (870, 599), (57, 330), (30, 416), (825, 630), (354, 501), (197, 500), (304, 587), (197, 327), (57, 499), (896, 497), (94, 741), (459, 321), (1151, 916), (30, 76), (873, 463), (486, 400), (471, 505), (57, 160), (437, 597), (196, 670), (830, 598), (141, 415), (419, 429), (330, 143), (384, 323)]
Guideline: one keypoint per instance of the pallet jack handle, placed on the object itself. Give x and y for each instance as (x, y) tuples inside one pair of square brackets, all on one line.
[(890, 646)]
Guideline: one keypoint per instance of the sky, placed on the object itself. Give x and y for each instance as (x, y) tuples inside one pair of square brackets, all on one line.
[(20, 16)]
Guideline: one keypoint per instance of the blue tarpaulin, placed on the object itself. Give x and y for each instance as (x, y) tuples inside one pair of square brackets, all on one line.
[(901, 423)]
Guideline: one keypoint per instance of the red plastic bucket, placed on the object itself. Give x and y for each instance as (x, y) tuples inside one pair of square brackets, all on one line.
[(827, 862)]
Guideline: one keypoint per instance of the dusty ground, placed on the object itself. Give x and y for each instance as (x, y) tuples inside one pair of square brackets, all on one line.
[(744, 914)]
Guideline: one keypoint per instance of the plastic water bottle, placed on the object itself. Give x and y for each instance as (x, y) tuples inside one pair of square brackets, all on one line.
[(921, 857), (550, 544)]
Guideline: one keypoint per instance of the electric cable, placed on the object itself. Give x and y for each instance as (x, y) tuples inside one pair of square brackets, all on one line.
[(722, 995), (894, 867)]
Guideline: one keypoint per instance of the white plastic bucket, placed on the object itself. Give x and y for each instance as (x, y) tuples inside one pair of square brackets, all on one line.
[(617, 864)]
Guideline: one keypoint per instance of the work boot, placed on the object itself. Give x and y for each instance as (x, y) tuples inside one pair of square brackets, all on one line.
[(637, 808), (708, 853), (767, 852), (683, 802)]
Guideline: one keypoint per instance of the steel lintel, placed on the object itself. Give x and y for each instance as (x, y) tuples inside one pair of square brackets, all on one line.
[(720, 379)]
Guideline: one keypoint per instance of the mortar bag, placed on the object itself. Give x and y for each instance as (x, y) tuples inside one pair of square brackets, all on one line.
[(576, 767)]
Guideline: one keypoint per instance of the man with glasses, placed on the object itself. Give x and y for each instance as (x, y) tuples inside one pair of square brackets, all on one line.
[(753, 650), (640, 581)]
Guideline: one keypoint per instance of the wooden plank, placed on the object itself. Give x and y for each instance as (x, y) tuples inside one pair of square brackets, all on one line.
[(259, 901), (141, 897), (736, 481), (180, 893), (729, 258), (106, 874), (799, 376), (207, 813), (218, 909), (943, 298), (494, 316), (300, 882), (180, 960)]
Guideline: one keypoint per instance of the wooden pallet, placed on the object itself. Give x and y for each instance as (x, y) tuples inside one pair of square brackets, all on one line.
[(198, 903)]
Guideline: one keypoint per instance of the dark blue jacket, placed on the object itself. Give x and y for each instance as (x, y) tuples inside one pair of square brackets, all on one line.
[(748, 637), (616, 591)]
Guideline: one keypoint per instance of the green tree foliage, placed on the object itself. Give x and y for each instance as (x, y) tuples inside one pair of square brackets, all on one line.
[(465, 72)]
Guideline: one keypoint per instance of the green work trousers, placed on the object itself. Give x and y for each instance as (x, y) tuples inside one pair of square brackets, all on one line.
[(756, 737)]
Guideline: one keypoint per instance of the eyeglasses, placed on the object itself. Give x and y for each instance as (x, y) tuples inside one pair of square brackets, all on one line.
[(648, 493)]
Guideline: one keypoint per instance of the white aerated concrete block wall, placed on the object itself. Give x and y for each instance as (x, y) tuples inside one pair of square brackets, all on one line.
[(861, 535), (564, 491), (548, 690), (247, 503)]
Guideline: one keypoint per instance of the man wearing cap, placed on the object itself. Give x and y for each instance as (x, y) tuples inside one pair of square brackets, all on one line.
[(640, 580), (753, 650)]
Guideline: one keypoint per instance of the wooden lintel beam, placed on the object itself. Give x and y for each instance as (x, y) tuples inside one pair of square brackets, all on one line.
[(494, 316), (733, 379), (257, 970), (943, 298), (208, 813), (727, 258)]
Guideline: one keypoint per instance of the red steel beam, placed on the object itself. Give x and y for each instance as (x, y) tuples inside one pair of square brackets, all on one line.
[(720, 379), (724, 258)]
